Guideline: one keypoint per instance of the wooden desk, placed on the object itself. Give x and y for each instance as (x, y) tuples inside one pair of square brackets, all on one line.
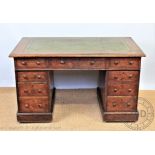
[(117, 59)]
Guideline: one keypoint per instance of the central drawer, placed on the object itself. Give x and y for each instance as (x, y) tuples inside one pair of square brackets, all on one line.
[(77, 63)]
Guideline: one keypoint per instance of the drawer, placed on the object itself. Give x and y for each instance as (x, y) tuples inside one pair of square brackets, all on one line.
[(119, 76), (33, 104), (92, 63), (77, 63), (124, 63), (32, 89), (122, 89), (31, 63), (63, 63), (121, 104), (32, 76)]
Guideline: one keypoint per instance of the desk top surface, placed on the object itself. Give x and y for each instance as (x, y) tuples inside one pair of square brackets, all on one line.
[(77, 47)]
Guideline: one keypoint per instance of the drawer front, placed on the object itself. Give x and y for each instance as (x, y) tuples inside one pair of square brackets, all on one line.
[(125, 89), (33, 104), (92, 63), (31, 63), (32, 76), (118, 76), (63, 63), (124, 63), (121, 104), (77, 63), (32, 89)]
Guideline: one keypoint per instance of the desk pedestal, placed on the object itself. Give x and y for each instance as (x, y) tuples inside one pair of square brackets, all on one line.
[(118, 95)]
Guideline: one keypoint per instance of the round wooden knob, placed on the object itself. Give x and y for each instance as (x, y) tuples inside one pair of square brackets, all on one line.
[(24, 76), (25, 91), (130, 62), (23, 63), (128, 104), (62, 61), (116, 62), (115, 90), (129, 90), (39, 90), (39, 76), (26, 105), (38, 62), (40, 105), (92, 62), (130, 76), (114, 104), (115, 77)]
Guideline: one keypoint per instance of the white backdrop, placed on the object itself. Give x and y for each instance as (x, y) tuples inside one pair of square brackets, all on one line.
[(143, 34)]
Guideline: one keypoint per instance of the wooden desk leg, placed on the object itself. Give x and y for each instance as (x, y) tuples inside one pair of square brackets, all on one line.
[(116, 114), (33, 114)]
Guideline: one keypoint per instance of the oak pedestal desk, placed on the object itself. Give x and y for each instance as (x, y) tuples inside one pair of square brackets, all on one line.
[(117, 59)]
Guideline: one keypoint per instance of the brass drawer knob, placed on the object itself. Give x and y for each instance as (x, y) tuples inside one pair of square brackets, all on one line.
[(129, 90), (116, 62), (26, 105), (38, 62), (23, 63), (130, 76), (130, 62), (114, 104), (92, 62), (40, 105), (39, 90), (62, 62), (115, 90)]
